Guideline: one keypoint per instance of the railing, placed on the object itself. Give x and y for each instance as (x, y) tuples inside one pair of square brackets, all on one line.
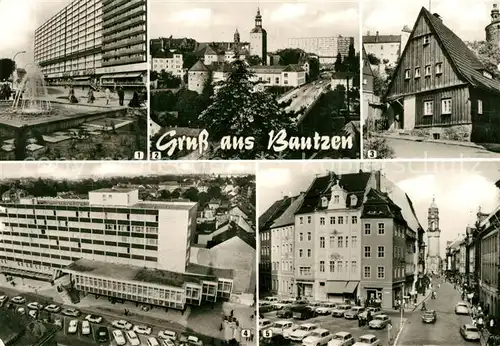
[(123, 52), (135, 30), (120, 8), (120, 18), (123, 61), (125, 42), (129, 23)]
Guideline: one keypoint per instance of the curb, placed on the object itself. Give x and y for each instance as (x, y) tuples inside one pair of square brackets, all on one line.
[(457, 143), (396, 339)]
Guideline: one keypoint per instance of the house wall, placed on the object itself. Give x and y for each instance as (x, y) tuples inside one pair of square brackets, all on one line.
[(485, 126)]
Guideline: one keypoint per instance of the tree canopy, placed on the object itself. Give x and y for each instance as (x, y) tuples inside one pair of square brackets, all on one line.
[(7, 67), (488, 54)]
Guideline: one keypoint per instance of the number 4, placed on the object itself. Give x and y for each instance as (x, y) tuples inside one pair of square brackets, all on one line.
[(246, 333)]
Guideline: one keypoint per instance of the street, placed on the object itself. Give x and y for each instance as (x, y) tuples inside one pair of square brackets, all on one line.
[(416, 150), (305, 95), (446, 329)]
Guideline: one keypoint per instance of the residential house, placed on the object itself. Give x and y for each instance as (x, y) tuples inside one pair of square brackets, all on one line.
[(214, 203), (169, 62), (387, 48)]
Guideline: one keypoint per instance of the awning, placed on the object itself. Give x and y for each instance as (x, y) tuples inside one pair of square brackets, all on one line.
[(335, 287), (351, 287), (82, 78), (121, 75)]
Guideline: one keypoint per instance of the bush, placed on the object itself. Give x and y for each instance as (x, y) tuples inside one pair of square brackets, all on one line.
[(380, 146)]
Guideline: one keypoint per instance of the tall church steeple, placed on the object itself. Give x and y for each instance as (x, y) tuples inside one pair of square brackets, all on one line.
[(433, 216), (236, 37), (433, 239), (258, 19)]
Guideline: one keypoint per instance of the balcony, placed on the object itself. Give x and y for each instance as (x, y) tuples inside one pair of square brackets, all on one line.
[(123, 52), (124, 25), (124, 61), (124, 43), (130, 32), (121, 9), (123, 17)]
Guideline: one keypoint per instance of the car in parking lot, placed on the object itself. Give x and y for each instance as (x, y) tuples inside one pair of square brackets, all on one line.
[(71, 312), (3, 299), (85, 327), (167, 334), (122, 324), (102, 334), (52, 308), (132, 338), (285, 313), (21, 311), (374, 310), (303, 312), (265, 323), (142, 329), (73, 327), (275, 340), (340, 310), (462, 309), (470, 332), (319, 337), (353, 313), (379, 322), (119, 337), (341, 339), (279, 327), (33, 313), (18, 300), (153, 342), (193, 340), (94, 318), (35, 306), (302, 332), (325, 308), (429, 316), (368, 340)]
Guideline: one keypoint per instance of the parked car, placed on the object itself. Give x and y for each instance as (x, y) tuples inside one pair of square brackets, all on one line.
[(341, 339), (462, 309), (275, 340), (429, 316), (167, 334), (21, 311), (340, 310), (102, 334), (319, 337), (303, 312), (35, 306), (368, 340), (52, 308), (193, 340), (58, 322), (353, 313), (71, 312), (133, 338), (153, 342), (94, 318), (85, 327), (73, 327), (279, 327), (325, 308), (33, 313), (122, 324), (470, 332), (302, 332), (168, 342), (142, 329), (119, 337), (264, 323), (374, 310), (285, 313), (18, 300), (379, 322), (3, 299)]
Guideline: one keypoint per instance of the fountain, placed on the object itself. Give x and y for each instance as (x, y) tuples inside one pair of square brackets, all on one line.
[(32, 98)]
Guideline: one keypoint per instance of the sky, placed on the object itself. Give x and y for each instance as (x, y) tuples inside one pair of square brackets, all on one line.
[(459, 187), (217, 20), (18, 21), (467, 18), (73, 170)]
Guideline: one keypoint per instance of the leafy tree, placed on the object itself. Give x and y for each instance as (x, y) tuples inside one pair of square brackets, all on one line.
[(313, 69), (214, 191), (162, 101), (208, 90), (189, 59), (165, 194), (352, 60), (176, 193), (372, 59), (192, 194), (189, 106), (381, 81), (153, 75), (339, 64), (254, 60), (290, 56), (488, 54), (379, 145), (238, 110), (7, 67), (168, 80)]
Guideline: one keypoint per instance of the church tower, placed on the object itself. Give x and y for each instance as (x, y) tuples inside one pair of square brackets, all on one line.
[(236, 37), (258, 39), (493, 29), (433, 239)]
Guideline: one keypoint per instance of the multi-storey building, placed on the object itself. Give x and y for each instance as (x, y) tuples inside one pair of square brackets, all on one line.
[(94, 41), (111, 244), (433, 239), (387, 48), (326, 48), (258, 39), (168, 62)]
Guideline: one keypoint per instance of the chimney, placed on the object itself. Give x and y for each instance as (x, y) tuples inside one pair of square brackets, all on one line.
[(378, 180), (438, 16)]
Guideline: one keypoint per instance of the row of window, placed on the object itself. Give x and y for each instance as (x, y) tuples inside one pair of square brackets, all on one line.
[(339, 220), (380, 251), (438, 69), (340, 242), (446, 107), (380, 228), (367, 272)]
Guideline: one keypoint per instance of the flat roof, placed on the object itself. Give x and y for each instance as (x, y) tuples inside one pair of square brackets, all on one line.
[(147, 275), (115, 189)]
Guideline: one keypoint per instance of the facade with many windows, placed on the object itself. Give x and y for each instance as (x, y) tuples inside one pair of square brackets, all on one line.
[(48, 237), (94, 42)]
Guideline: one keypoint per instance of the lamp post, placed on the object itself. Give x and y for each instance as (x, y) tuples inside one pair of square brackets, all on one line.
[(21, 52)]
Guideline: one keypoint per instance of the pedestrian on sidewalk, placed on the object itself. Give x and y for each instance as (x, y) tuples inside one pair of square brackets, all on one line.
[(492, 325), (108, 95), (480, 323), (121, 95)]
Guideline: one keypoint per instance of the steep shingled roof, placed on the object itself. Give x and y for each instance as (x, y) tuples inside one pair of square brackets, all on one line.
[(380, 205), (288, 217), (234, 230), (198, 67), (273, 212), (381, 39)]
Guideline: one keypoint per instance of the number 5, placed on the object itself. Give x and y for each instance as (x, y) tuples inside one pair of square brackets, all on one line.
[(267, 333)]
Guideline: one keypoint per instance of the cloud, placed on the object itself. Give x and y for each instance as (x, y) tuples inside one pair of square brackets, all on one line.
[(192, 17), (337, 17), (287, 12)]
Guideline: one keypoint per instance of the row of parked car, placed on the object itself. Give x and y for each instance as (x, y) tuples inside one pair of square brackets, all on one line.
[(124, 332)]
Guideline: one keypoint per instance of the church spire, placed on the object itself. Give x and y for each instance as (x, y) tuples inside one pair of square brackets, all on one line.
[(236, 36), (258, 19)]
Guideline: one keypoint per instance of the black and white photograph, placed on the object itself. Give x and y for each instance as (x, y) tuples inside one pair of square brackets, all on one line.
[(128, 253), (255, 79), (378, 253), (433, 79), (73, 78)]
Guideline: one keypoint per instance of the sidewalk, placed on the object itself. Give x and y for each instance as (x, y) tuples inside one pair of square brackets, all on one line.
[(495, 147)]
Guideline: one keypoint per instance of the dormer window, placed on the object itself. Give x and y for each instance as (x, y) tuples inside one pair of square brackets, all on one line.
[(407, 74), (336, 199), (417, 72), (439, 68), (428, 70), (354, 200), (487, 75), (427, 40), (324, 202)]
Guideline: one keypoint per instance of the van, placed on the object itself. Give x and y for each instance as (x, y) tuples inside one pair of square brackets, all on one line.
[(167, 334)]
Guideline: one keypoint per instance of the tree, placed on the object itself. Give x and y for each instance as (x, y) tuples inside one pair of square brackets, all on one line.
[(254, 60), (192, 194), (165, 194), (168, 80), (176, 193), (379, 145), (488, 54), (7, 67), (214, 191), (208, 90), (372, 59), (290, 56), (189, 59), (241, 112), (339, 65), (153, 75), (381, 81), (189, 106), (352, 60), (313, 68)]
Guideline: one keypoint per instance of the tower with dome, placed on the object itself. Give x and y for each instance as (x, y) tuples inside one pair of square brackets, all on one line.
[(258, 39), (433, 239)]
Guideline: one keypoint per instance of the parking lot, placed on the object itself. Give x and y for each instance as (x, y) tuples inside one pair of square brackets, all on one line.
[(338, 324)]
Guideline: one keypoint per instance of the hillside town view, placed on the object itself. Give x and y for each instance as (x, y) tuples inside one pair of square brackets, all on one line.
[(73, 82), (163, 259), (383, 255), (434, 80), (254, 79)]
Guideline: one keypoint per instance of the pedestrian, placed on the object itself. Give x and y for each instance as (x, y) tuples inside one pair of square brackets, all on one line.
[(90, 96), (221, 327), (121, 95), (108, 95), (480, 323), (492, 325)]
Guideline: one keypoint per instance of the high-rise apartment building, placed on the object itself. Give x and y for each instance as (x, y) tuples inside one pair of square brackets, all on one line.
[(326, 48), (94, 42), (112, 244)]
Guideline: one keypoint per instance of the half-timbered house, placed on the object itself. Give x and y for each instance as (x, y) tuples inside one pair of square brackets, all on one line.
[(441, 88)]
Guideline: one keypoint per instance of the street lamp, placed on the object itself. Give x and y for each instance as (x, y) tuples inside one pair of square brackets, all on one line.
[(21, 52)]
